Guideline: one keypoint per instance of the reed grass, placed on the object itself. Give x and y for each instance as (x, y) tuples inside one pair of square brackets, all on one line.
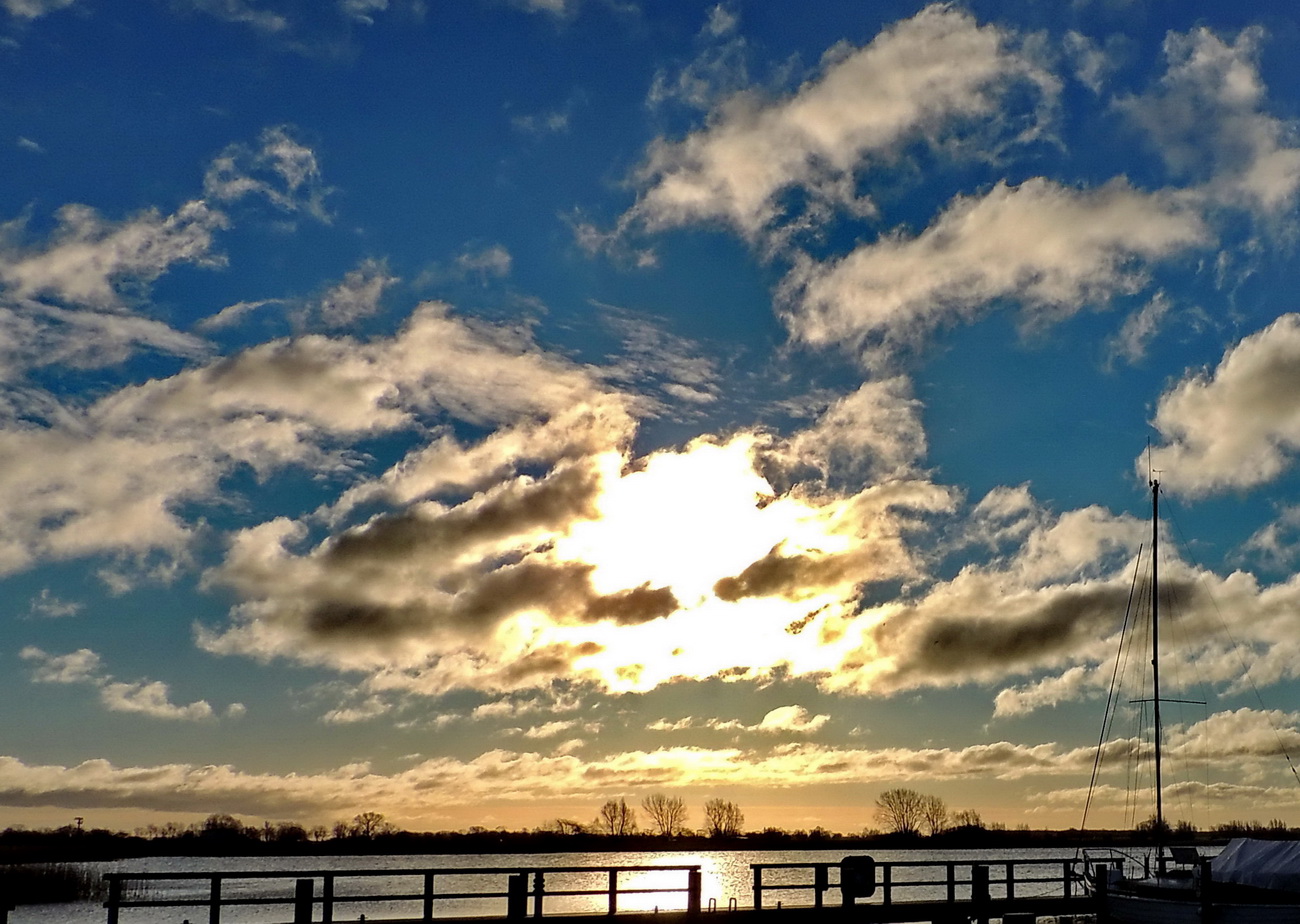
[(50, 883)]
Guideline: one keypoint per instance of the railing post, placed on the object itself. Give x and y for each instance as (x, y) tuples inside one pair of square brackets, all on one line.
[(1067, 879), (539, 889), (428, 897), (888, 883), (214, 901), (613, 891), (327, 899), (302, 900), (952, 883), (517, 897), (1011, 881), (114, 898), (819, 883), (979, 891), (758, 887), (694, 888)]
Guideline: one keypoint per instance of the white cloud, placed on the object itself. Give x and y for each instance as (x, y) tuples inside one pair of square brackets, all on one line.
[(90, 258), (34, 9), (915, 81), (367, 708), (873, 434), (490, 261), (281, 169), (1052, 248), (239, 11), (80, 666), (416, 797), (357, 296), (1140, 328), (50, 606), (145, 697), (109, 477), (150, 698), (1208, 119), (362, 10), (1239, 425)]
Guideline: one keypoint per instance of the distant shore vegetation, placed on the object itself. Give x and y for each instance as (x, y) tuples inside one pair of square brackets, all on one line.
[(905, 818)]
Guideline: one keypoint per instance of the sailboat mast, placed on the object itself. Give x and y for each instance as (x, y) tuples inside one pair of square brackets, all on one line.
[(1155, 653)]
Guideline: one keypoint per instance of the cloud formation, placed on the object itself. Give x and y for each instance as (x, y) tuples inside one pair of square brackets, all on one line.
[(1237, 426), (1050, 248), (923, 79), (151, 698)]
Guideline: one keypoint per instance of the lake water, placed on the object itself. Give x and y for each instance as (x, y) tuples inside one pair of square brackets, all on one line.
[(727, 878)]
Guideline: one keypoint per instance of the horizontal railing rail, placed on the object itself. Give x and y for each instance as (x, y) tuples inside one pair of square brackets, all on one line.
[(523, 886), (929, 880)]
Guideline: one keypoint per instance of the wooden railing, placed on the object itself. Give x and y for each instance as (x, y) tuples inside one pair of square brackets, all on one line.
[(929, 880), (522, 887)]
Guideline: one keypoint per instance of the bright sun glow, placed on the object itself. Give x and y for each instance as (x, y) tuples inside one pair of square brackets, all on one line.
[(684, 521), (687, 519)]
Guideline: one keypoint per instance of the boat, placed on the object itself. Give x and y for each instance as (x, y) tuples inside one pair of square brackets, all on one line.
[(1250, 882)]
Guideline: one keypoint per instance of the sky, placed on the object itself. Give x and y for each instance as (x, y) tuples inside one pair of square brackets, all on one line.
[(476, 411)]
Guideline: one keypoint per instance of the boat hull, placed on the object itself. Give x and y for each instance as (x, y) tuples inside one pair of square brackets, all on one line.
[(1144, 909)]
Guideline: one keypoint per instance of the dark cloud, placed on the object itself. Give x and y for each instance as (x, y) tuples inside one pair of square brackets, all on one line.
[(997, 633), (632, 607), (521, 507), (789, 576)]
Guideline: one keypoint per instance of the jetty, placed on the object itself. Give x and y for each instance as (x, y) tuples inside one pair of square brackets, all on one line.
[(857, 889)]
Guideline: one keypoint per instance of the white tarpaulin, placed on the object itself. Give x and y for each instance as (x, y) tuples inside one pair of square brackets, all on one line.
[(1265, 864)]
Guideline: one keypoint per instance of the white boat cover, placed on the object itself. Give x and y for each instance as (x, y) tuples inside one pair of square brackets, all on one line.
[(1264, 864)]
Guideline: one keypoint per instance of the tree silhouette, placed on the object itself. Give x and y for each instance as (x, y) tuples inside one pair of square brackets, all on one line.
[(666, 813), (934, 812), (368, 824), (722, 818), (616, 817), (901, 810)]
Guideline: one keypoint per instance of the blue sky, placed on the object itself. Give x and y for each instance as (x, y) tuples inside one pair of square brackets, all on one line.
[(474, 412)]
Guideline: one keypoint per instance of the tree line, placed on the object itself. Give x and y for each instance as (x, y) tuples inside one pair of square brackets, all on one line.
[(666, 816)]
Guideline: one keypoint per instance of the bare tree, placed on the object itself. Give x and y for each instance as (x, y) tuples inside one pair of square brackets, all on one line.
[(900, 810), (564, 826), (967, 818), (616, 817), (722, 818), (934, 812), (666, 813), (368, 824)]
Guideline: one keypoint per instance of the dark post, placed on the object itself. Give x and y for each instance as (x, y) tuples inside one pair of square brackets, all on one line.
[(888, 883), (694, 888), (1067, 879), (517, 896), (428, 896), (758, 888), (214, 901), (952, 883), (114, 898), (1206, 888), (302, 900), (613, 891), (327, 899), (979, 891), (1011, 880), (819, 884), (539, 888)]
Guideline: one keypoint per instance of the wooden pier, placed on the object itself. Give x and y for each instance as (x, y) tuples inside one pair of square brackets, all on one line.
[(864, 892)]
